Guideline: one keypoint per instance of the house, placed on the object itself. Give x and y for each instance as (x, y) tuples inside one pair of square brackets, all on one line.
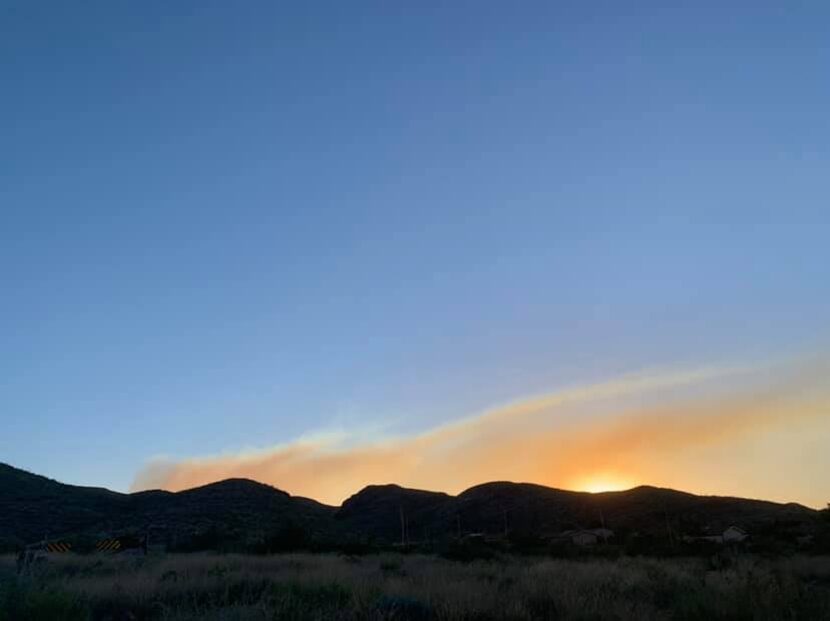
[(709, 538), (734, 534), (584, 538), (588, 537), (603, 533)]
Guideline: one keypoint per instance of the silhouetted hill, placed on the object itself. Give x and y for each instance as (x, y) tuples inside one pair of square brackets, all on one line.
[(238, 510), (244, 513), (522, 508), (377, 510), (33, 506)]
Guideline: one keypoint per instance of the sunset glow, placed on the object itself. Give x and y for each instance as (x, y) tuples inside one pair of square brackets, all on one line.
[(658, 429), (439, 244), (602, 483)]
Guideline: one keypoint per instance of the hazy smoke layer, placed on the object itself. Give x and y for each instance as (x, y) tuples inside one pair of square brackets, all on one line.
[(760, 436)]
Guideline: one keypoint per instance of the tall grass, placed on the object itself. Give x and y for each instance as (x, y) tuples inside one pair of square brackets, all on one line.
[(304, 586)]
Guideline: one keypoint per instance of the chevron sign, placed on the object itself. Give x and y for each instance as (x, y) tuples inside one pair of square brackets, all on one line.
[(108, 545)]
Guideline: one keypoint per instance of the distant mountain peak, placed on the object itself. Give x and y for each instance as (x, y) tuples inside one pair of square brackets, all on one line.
[(239, 484)]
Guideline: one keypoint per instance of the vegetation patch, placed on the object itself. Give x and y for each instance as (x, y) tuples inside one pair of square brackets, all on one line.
[(415, 587)]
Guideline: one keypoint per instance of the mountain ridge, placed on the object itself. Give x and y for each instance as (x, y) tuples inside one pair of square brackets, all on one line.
[(241, 510)]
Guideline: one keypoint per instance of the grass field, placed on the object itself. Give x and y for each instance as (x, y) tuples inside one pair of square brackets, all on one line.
[(402, 587)]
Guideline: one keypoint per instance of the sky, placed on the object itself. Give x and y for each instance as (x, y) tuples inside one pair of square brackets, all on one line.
[(578, 244)]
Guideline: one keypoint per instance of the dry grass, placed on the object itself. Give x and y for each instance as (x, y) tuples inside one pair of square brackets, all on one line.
[(304, 586)]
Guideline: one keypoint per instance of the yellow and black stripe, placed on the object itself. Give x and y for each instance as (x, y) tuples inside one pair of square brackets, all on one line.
[(57, 546), (108, 545)]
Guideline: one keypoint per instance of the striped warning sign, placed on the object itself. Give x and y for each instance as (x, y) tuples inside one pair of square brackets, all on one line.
[(57, 546), (108, 545)]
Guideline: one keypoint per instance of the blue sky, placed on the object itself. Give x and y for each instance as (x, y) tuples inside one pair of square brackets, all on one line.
[(227, 226)]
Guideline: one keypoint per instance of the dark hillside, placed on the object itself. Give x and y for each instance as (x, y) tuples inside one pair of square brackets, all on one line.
[(501, 508), (652, 509), (496, 507), (377, 511), (244, 514), (238, 510), (32, 507)]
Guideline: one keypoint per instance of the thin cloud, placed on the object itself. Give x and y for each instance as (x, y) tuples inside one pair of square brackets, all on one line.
[(544, 439)]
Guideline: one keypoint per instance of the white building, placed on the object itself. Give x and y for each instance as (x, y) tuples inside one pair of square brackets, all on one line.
[(733, 534), (589, 537)]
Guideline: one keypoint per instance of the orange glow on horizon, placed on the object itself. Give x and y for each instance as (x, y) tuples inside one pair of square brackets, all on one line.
[(685, 443), (603, 482)]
